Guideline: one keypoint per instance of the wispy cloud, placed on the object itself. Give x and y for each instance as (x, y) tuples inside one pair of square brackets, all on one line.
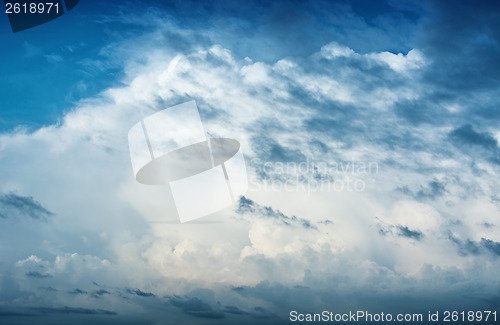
[(13, 205)]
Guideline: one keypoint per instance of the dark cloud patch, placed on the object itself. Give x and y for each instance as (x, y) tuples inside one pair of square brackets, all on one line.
[(470, 247), (48, 289), (420, 111), (466, 135), (38, 275), (404, 231), (491, 246), (196, 307), (234, 310), (488, 225), (398, 139), (262, 313), (475, 143), (247, 206), (338, 129), (404, 190), (278, 152), (462, 41), (14, 205), (99, 293), (77, 292), (73, 310), (432, 191), (270, 150), (140, 293), (466, 247), (280, 26), (239, 289), (15, 313), (399, 231)]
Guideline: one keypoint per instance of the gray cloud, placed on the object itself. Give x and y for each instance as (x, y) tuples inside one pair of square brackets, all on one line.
[(196, 307), (140, 293), (491, 246), (13, 204), (471, 247), (234, 310), (78, 292), (38, 275), (72, 310), (407, 232), (100, 293), (463, 46), (247, 206), (466, 135)]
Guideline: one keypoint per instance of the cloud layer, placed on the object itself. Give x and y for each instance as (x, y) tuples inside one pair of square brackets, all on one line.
[(80, 238)]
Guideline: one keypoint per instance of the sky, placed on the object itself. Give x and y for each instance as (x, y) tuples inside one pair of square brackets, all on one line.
[(371, 139)]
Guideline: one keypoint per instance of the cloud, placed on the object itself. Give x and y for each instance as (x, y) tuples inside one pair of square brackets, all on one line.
[(406, 232), (140, 293), (77, 292), (468, 246), (99, 293), (38, 275), (466, 135), (73, 310), (249, 207), (492, 246), (196, 307), (338, 100), (12, 205)]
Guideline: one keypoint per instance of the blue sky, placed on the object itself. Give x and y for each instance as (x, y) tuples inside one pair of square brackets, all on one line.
[(409, 87)]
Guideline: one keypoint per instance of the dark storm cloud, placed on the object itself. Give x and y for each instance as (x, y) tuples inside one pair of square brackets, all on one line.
[(400, 231), (407, 232), (247, 206), (77, 292), (271, 30), (474, 143), (466, 135), (38, 275), (13, 204), (14, 313), (492, 246), (73, 310), (462, 40), (140, 293), (470, 247), (420, 111), (196, 307), (234, 310), (100, 293)]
